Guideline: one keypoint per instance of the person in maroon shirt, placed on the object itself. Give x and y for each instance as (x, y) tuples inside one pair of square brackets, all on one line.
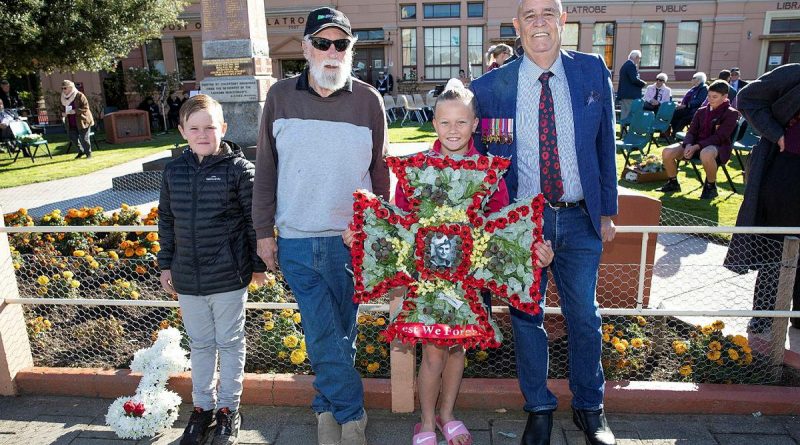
[(708, 139)]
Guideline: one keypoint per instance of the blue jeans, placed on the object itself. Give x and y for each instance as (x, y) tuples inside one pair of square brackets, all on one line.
[(577, 259), (315, 270)]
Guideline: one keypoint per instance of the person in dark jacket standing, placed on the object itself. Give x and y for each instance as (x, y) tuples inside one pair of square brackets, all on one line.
[(208, 257), (630, 85), (771, 104)]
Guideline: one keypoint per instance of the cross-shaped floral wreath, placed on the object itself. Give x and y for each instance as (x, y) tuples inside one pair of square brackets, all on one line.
[(446, 250)]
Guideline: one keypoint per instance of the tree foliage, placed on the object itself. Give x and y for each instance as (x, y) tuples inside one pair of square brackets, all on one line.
[(75, 35)]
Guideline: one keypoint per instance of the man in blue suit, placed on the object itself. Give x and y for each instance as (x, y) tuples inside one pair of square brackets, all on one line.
[(571, 160), (630, 85)]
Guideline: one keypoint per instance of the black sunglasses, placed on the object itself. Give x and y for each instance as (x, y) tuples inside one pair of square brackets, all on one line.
[(323, 44)]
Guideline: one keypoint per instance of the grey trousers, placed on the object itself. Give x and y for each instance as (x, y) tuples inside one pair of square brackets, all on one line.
[(215, 325), (80, 138)]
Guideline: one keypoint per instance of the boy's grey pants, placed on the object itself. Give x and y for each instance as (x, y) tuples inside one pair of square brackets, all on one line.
[(215, 323)]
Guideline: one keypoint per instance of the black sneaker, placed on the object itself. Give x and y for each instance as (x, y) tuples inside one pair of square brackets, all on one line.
[(672, 185), (709, 191), (80, 155), (227, 431), (197, 430)]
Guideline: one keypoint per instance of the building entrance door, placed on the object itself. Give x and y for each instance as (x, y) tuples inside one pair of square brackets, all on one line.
[(368, 64), (781, 53)]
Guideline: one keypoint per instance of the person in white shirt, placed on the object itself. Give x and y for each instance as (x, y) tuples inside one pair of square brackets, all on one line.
[(657, 93)]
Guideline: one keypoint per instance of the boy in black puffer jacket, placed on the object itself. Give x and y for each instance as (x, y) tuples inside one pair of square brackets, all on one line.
[(208, 257)]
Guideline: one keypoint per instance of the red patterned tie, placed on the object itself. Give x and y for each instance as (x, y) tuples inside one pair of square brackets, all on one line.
[(549, 166)]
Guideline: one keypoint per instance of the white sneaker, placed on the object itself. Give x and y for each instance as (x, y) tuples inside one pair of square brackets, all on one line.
[(329, 432), (354, 431)]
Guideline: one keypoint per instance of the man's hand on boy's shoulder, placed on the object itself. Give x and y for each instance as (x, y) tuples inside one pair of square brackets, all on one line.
[(166, 281), (267, 250)]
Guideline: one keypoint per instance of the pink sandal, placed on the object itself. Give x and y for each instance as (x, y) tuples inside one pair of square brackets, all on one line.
[(453, 429), (427, 438)]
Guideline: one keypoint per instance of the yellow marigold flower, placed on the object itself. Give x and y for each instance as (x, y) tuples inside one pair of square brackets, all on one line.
[(79, 253), (298, 357), (17, 266), (679, 347), (290, 341), (125, 284), (748, 358), (43, 280), (707, 330), (22, 211), (619, 334), (140, 251), (713, 355), (287, 313), (302, 345), (685, 370), (620, 347), (56, 276), (606, 338), (164, 324), (361, 319), (746, 349), (373, 367), (370, 349), (152, 236), (296, 317), (380, 321), (129, 252), (362, 337), (155, 248), (740, 340), (637, 343), (481, 356), (267, 315), (614, 340), (733, 354), (718, 325), (75, 284), (624, 342), (123, 206), (134, 295), (282, 355), (113, 255), (47, 324), (68, 275), (715, 346), (270, 325), (94, 265), (640, 320)]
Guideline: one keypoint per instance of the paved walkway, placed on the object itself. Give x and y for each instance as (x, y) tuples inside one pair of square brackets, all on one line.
[(80, 421)]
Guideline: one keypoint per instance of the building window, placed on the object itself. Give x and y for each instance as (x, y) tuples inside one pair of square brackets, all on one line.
[(474, 9), (185, 54), (409, 38), (442, 10), (686, 49), (652, 36), (155, 55), (408, 12), (569, 37), (475, 50), (442, 53), (603, 41), (784, 26), (508, 31), (369, 34)]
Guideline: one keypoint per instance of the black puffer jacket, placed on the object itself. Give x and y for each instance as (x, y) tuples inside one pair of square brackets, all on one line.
[(205, 227)]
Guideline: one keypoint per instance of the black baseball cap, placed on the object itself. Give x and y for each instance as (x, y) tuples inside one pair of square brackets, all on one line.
[(322, 18)]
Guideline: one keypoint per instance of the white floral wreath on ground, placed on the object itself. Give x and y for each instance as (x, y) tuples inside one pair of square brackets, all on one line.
[(153, 408)]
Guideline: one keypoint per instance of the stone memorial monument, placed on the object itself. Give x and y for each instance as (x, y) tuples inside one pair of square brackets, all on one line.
[(237, 70)]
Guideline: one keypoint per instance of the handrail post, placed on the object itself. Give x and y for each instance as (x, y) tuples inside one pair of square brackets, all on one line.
[(642, 270), (783, 300), (403, 366), (15, 348)]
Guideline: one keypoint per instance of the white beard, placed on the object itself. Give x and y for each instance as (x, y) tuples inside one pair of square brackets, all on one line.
[(331, 80)]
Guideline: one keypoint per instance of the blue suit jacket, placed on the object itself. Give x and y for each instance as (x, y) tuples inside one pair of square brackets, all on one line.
[(592, 107), (630, 85)]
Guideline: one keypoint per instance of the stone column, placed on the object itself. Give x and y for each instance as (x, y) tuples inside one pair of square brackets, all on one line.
[(15, 349), (237, 70)]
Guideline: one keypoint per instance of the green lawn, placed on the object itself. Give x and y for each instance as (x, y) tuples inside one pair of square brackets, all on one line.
[(721, 210), (65, 165)]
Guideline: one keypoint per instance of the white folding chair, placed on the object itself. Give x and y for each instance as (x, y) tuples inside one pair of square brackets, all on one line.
[(410, 107), (388, 107)]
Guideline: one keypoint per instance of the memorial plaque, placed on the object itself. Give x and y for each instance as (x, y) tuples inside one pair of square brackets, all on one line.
[(228, 67), (231, 89)]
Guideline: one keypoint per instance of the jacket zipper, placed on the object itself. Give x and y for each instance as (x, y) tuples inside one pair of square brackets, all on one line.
[(194, 231)]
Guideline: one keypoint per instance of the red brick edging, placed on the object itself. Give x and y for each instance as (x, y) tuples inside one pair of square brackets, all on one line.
[(296, 390)]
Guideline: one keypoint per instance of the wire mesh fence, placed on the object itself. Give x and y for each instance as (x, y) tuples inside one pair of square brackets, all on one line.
[(688, 274)]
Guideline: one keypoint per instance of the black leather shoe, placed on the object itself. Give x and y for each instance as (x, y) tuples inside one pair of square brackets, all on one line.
[(538, 428), (594, 426), (670, 186), (80, 155)]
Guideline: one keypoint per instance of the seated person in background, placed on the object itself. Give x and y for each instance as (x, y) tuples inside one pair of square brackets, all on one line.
[(657, 93), (726, 76), (9, 98), (691, 101), (6, 118), (708, 139)]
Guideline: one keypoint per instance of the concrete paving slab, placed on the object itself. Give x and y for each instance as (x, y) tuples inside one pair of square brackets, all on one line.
[(750, 439)]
